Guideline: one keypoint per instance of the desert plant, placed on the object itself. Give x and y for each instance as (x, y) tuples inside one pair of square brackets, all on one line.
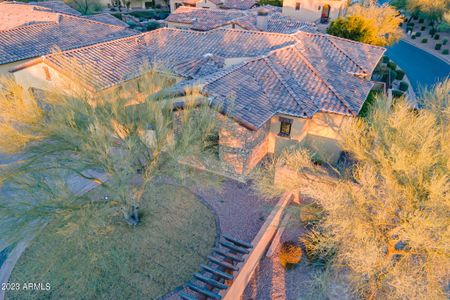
[(421, 20), (445, 41), (432, 31), (413, 36), (422, 28), (424, 41), (385, 59), (290, 254), (418, 34), (400, 75), (369, 23), (438, 47), (392, 65), (311, 214), (397, 93), (403, 86), (436, 36), (388, 221), (118, 146), (445, 51)]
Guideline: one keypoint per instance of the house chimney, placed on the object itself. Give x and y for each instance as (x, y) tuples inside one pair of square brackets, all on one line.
[(59, 18), (261, 19)]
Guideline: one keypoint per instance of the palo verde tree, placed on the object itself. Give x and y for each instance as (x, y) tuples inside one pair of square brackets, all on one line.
[(62, 138), (384, 229), (369, 23)]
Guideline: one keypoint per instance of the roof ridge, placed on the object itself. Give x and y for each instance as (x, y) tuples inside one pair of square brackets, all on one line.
[(89, 20), (323, 80), (28, 26), (280, 78), (352, 41), (339, 49)]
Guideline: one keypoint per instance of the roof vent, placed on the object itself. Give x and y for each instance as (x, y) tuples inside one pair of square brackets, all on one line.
[(59, 18), (208, 55)]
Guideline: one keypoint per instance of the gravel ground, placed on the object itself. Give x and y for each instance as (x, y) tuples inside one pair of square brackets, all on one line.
[(272, 281), (240, 211)]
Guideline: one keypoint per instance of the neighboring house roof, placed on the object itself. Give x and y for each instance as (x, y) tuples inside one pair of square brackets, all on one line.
[(27, 32), (107, 19), (207, 19), (57, 6), (295, 74), (238, 4)]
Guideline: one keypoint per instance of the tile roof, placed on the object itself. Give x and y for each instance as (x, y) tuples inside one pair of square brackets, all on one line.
[(238, 4), (53, 6), (206, 19), (27, 32), (107, 19), (186, 53), (295, 74)]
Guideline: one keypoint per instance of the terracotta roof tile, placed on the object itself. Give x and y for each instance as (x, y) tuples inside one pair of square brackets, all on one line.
[(208, 19), (26, 32)]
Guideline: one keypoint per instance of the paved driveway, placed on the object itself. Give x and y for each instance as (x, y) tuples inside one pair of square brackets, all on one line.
[(422, 68)]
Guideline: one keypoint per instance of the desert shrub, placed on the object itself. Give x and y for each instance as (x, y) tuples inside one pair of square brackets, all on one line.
[(403, 86), (418, 34), (432, 31), (152, 25), (438, 47), (415, 17), (413, 37), (422, 28), (290, 254), (445, 41), (445, 51), (421, 21), (424, 41), (436, 36), (311, 214), (397, 93), (431, 23), (392, 65), (385, 59), (400, 75), (319, 248)]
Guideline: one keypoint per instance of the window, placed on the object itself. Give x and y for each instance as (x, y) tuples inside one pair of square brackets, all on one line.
[(47, 74), (297, 6), (285, 127)]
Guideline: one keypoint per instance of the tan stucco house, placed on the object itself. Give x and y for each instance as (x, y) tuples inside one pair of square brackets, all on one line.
[(272, 90), (321, 11)]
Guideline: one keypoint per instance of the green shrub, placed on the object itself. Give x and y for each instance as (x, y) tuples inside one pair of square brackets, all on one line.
[(403, 86), (392, 65), (421, 21), (422, 28), (445, 41), (431, 23), (445, 51), (290, 254), (432, 31), (424, 41), (152, 25), (418, 34), (438, 47), (436, 36), (385, 59), (400, 75), (397, 93), (415, 17), (413, 37)]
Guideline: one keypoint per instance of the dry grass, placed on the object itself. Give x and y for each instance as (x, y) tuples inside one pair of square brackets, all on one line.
[(93, 258)]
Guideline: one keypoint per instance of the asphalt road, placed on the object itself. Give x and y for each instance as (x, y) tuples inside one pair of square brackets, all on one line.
[(422, 68)]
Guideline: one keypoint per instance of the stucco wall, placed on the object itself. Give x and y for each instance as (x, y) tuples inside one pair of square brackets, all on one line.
[(206, 4), (34, 76), (178, 25), (310, 11), (5, 68)]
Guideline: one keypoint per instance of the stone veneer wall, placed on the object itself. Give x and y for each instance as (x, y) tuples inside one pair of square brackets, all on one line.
[(240, 149)]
